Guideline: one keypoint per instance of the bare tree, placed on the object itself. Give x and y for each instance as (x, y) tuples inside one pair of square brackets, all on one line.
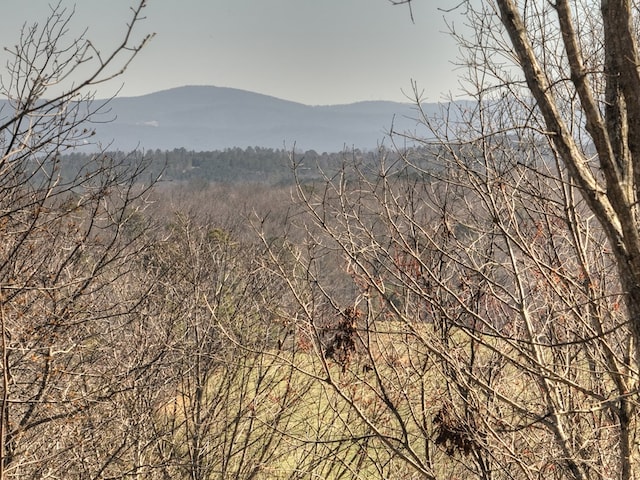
[(226, 396), (482, 333), (492, 266), (63, 307)]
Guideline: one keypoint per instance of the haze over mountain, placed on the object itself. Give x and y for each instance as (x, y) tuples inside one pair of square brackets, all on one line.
[(211, 118)]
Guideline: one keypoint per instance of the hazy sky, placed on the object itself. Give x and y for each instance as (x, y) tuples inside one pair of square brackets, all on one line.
[(310, 51)]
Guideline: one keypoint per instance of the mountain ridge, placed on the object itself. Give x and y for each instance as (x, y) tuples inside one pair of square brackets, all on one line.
[(207, 118), (198, 117)]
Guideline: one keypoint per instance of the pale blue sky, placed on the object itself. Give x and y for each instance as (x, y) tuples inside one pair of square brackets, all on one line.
[(310, 51)]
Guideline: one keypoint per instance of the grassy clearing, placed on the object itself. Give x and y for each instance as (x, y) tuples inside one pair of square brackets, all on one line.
[(271, 414)]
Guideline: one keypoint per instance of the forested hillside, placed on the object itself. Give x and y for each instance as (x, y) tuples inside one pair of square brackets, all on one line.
[(237, 165), (232, 165)]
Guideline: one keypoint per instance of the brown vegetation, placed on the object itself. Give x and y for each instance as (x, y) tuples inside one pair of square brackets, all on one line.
[(464, 309)]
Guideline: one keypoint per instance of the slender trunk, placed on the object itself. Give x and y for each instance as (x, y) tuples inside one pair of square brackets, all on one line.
[(4, 408), (626, 443)]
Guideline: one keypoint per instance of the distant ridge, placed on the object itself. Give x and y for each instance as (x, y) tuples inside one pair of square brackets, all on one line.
[(214, 118)]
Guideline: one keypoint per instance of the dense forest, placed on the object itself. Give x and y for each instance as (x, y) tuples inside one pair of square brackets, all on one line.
[(251, 165), (233, 165), (265, 166)]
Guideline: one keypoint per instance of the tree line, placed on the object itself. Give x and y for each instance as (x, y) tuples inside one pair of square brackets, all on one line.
[(230, 166)]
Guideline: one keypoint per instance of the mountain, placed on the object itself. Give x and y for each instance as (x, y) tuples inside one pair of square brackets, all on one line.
[(212, 118)]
